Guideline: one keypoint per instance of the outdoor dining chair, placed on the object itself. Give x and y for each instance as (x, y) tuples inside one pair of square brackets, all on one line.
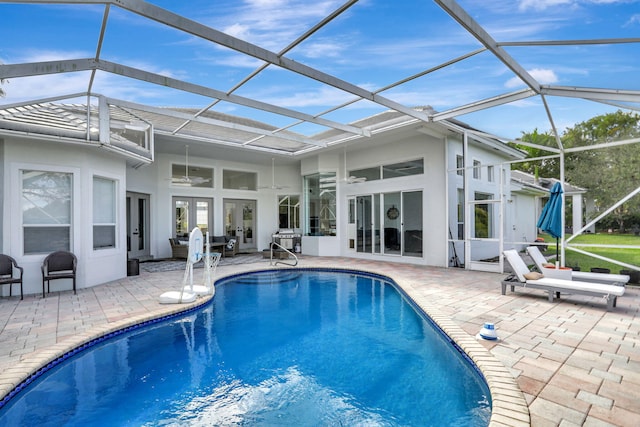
[(59, 265), (8, 269)]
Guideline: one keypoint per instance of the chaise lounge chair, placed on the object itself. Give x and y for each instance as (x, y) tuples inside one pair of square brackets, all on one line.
[(534, 280), (583, 276)]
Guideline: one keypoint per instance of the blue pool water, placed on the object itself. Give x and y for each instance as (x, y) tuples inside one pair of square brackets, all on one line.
[(283, 348)]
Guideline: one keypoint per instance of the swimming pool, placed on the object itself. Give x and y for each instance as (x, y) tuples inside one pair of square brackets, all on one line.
[(283, 347)]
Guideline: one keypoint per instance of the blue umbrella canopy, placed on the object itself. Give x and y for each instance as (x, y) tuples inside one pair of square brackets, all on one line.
[(550, 219)]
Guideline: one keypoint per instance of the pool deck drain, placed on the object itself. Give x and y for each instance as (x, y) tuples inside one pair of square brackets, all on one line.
[(564, 363)]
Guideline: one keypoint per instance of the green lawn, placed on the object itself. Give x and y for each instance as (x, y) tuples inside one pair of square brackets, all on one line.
[(574, 259)]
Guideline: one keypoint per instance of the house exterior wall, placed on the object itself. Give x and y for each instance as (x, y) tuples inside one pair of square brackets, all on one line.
[(83, 162), (498, 188), (155, 179), (381, 150), (438, 185)]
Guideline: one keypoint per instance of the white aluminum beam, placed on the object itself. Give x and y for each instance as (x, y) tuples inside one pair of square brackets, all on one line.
[(571, 42), (186, 25), (88, 64), (262, 67), (469, 24), (484, 104), (210, 121), (207, 33), (592, 93)]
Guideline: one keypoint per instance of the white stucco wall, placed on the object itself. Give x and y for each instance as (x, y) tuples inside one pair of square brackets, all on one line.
[(155, 180), (84, 162), (401, 146)]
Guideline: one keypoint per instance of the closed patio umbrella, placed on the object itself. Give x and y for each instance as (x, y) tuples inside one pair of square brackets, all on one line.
[(550, 220)]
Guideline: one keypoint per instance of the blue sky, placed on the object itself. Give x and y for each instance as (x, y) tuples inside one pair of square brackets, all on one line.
[(373, 44)]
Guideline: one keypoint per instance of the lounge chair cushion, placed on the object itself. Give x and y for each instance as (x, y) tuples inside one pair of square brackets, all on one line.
[(584, 276), (577, 286), (533, 275)]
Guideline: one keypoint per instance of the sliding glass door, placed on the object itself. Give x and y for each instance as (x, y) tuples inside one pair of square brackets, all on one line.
[(389, 223), (412, 223)]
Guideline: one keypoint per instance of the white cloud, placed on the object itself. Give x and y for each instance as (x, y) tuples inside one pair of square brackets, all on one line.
[(322, 97), (634, 20), (543, 76), (546, 4), (274, 23), (543, 4)]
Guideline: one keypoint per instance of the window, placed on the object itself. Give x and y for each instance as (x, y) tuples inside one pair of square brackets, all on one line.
[(490, 174), (320, 204), (104, 213), (460, 214), (289, 212), (476, 169), (238, 180), (371, 174), (413, 167), (460, 165), (46, 211), (195, 176)]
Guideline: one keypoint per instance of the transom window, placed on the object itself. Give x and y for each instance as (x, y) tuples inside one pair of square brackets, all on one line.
[(239, 180), (192, 176), (394, 170)]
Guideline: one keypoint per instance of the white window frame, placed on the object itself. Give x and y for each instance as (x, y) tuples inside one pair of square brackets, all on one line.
[(490, 173), (477, 170), (114, 207), (459, 165), (19, 174)]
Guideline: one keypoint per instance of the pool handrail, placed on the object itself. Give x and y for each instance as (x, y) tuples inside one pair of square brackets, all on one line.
[(280, 261)]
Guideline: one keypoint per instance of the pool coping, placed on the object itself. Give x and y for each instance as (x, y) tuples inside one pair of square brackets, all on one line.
[(509, 407)]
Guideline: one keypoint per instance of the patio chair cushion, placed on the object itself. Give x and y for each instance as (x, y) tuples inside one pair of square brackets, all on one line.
[(585, 276), (533, 275)]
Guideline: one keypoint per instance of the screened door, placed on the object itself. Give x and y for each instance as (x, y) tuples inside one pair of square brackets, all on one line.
[(484, 242)]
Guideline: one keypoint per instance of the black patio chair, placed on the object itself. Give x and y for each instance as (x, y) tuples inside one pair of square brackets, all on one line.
[(59, 265), (8, 268)]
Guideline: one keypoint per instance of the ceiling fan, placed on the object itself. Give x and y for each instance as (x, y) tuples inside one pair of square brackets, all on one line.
[(273, 185), (186, 179)]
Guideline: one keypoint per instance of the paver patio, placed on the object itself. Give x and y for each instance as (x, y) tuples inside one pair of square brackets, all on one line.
[(574, 362)]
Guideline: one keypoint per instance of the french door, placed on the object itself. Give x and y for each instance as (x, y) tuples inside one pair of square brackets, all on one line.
[(190, 212), (240, 222)]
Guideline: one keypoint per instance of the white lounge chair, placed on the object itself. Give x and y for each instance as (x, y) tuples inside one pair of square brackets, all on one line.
[(584, 276), (534, 280)]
